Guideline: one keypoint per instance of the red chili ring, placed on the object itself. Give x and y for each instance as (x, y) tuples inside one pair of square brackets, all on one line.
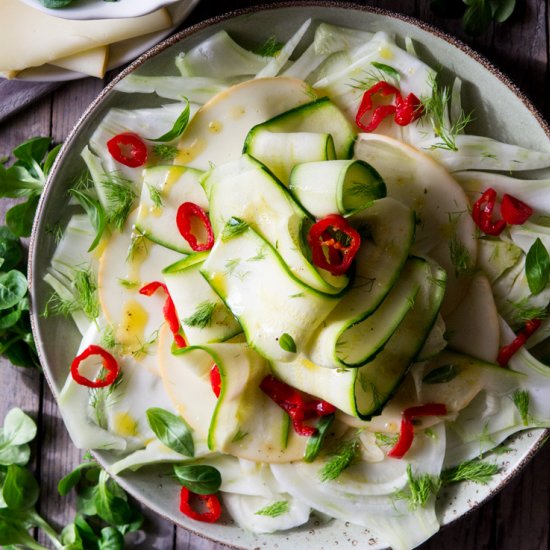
[(109, 363)]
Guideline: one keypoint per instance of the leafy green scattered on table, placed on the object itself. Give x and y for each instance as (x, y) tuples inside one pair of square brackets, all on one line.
[(25, 178), (16, 341), (104, 513), (477, 15)]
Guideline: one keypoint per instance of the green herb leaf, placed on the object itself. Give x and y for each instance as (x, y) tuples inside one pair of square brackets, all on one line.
[(20, 217), (171, 430), (13, 287), (111, 539), (199, 478), (95, 212), (20, 491), (345, 456), (11, 252), (477, 17), (502, 9), (110, 501), (419, 489), (19, 428), (120, 197), (165, 152), (179, 126), (475, 470), (233, 227), (274, 510), (72, 478), (393, 73), (202, 317), (33, 151), (537, 267), (315, 442), (270, 48), (441, 375), (287, 342), (155, 194), (521, 401)]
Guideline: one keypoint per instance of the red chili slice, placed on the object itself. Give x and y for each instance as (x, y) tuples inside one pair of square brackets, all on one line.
[(109, 364), (215, 380), (295, 403), (211, 502), (514, 211), (406, 433), (184, 219), (505, 353), (328, 252), (168, 310), (382, 88), (407, 110), (128, 149), (482, 212)]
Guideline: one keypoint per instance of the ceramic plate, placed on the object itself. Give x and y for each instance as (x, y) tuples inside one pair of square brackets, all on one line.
[(120, 53), (521, 125), (102, 9)]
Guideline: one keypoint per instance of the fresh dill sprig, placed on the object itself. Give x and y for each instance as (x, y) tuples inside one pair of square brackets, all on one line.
[(524, 311), (84, 297), (233, 227), (165, 152), (521, 401), (127, 283), (239, 436), (460, 255), (474, 470), (120, 199), (155, 194), (274, 510), (231, 265), (143, 348), (108, 338), (380, 72), (138, 245), (99, 398), (436, 109), (270, 48), (202, 316), (55, 230), (388, 440), (345, 455), (260, 255), (419, 489)]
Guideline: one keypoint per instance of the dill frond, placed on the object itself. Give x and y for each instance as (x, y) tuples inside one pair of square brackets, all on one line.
[(345, 455), (270, 48), (155, 194), (165, 152), (419, 489), (99, 398), (202, 316), (521, 401), (475, 470), (379, 72), (274, 510), (120, 199)]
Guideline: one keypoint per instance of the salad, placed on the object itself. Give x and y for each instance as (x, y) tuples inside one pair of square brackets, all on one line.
[(303, 287)]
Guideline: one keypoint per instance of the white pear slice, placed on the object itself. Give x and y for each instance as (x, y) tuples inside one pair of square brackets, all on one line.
[(217, 132), (445, 230)]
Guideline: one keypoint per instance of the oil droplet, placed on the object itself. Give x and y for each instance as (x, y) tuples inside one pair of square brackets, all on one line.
[(385, 52), (131, 330), (125, 425), (189, 153), (215, 126)]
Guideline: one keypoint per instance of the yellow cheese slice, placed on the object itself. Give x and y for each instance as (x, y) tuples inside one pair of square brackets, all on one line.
[(91, 62), (29, 38)]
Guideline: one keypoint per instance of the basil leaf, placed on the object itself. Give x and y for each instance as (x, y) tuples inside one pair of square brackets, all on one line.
[(20, 217), (179, 127), (287, 343), (96, 214), (477, 17), (72, 478), (111, 539), (172, 430), (10, 249), (20, 489), (199, 478), (502, 9), (390, 71), (13, 287), (442, 374), (537, 267), (315, 442)]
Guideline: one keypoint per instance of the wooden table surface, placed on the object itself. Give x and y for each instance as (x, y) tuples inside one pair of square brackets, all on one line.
[(518, 518)]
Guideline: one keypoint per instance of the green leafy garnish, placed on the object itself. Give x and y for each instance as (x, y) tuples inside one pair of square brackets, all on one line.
[(394, 73), (315, 442), (345, 455), (198, 478), (165, 152), (436, 109), (381, 72), (521, 401), (233, 227), (442, 374), (155, 195), (475, 470), (95, 212), (419, 489), (120, 197), (270, 48), (25, 178), (524, 311), (100, 397), (387, 440), (202, 317), (178, 128), (537, 267), (287, 342), (171, 430), (460, 255), (275, 509)]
